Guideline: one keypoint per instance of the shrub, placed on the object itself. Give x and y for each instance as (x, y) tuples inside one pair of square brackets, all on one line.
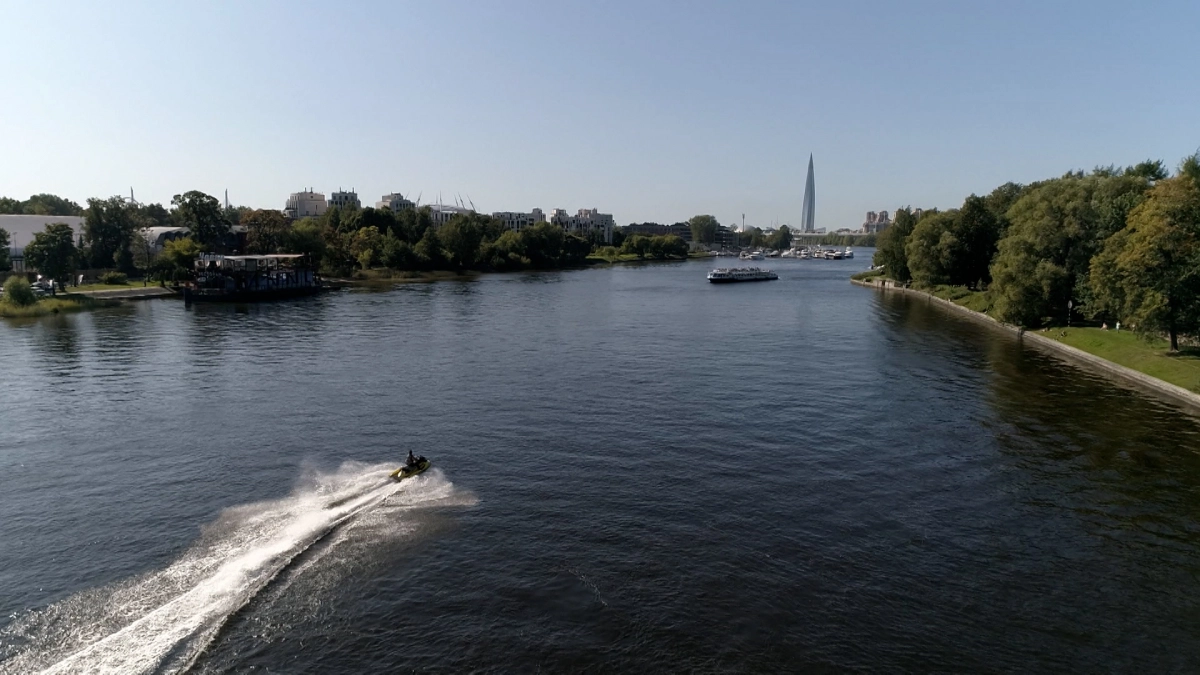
[(17, 291), (114, 278)]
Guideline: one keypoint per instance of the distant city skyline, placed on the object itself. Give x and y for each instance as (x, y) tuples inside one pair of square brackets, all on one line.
[(649, 111)]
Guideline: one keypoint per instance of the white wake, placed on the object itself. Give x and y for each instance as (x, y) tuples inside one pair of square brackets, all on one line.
[(163, 621)]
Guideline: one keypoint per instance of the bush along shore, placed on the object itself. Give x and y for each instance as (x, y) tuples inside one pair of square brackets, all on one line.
[(19, 300)]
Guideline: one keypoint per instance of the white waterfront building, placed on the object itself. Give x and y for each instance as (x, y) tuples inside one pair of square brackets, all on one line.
[(517, 221), (394, 202), (440, 214), (584, 223), (345, 200), (305, 204)]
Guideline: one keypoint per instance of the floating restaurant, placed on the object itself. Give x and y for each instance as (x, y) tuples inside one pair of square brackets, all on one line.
[(251, 278)]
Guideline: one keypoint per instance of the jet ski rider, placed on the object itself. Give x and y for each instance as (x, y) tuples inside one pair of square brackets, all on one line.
[(411, 461)]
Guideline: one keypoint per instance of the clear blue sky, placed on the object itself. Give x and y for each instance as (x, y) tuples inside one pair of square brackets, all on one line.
[(648, 110)]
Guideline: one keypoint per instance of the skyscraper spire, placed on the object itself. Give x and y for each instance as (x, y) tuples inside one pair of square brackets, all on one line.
[(808, 216)]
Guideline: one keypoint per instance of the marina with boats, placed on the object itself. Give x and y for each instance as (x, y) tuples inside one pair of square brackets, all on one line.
[(799, 252)]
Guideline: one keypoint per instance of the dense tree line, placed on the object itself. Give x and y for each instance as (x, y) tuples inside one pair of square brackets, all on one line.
[(341, 241), (1111, 244), (40, 205)]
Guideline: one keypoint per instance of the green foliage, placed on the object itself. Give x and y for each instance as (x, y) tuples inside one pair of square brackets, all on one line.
[(931, 248), (366, 245), (461, 238), (781, 239), (1190, 167), (704, 228), (18, 292), (5, 243), (1148, 275), (203, 215), (114, 278), (108, 228), (868, 274), (177, 261), (305, 236), (890, 245), (1151, 169), (266, 230), (53, 252), (659, 247), (954, 247), (50, 205), (1056, 228), (429, 251)]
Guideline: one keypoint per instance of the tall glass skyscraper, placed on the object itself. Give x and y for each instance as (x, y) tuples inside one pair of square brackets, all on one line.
[(808, 219)]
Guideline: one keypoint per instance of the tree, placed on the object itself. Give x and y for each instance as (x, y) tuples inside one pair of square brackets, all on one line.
[(10, 206), (266, 230), (50, 205), (202, 214), (305, 236), (429, 250), (1149, 273), (461, 238), (704, 229), (1056, 228), (781, 239), (5, 242), (366, 245), (1190, 167), (890, 246), (932, 248), (17, 291), (636, 244), (108, 227), (154, 215), (53, 252), (1151, 169)]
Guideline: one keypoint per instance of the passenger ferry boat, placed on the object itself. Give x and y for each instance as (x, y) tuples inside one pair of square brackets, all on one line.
[(729, 275), (250, 278)]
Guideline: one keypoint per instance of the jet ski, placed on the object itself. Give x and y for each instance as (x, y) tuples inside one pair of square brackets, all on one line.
[(410, 470)]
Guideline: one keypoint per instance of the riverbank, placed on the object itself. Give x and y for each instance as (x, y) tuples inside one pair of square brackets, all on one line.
[(63, 304), (1174, 377)]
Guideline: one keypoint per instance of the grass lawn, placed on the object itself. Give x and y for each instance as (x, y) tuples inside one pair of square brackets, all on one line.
[(1127, 349), (55, 305), (104, 287)]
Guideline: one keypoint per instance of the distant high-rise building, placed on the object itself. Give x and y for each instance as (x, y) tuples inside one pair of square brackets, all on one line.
[(345, 200), (394, 202), (305, 204), (808, 216), (876, 222)]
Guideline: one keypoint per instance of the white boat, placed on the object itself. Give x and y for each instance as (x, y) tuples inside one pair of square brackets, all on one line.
[(849, 253), (729, 275)]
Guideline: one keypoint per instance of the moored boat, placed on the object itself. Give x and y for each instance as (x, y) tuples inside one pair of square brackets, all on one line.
[(251, 278)]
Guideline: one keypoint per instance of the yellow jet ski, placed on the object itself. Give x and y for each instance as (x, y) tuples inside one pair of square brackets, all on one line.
[(410, 470)]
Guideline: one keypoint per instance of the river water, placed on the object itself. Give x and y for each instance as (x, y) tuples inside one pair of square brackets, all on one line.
[(634, 471)]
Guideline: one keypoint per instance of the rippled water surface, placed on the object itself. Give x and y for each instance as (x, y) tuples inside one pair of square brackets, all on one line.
[(635, 471)]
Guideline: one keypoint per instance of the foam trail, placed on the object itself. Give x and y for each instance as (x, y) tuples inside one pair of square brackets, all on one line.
[(191, 599)]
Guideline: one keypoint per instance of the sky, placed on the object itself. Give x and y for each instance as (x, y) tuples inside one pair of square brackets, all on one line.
[(649, 110)]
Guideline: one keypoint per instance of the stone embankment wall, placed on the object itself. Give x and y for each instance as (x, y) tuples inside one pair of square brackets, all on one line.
[(1056, 348)]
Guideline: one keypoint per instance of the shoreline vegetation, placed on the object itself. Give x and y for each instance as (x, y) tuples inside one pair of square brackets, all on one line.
[(1176, 374), (1111, 245), (1104, 264), (65, 303)]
